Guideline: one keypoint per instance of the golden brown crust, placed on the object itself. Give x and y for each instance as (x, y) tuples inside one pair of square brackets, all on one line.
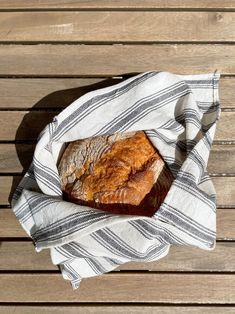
[(120, 178)]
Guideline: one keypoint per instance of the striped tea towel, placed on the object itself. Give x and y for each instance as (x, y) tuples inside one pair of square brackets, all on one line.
[(179, 115)]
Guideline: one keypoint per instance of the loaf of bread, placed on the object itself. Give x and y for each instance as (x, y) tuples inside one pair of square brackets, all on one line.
[(122, 173)]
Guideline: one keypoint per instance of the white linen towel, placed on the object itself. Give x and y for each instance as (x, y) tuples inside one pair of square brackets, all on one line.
[(179, 115)]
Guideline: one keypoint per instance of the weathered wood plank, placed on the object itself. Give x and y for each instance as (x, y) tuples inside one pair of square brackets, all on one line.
[(225, 188), (117, 4), (60, 92), (26, 125), (117, 26), (22, 256), (11, 228), (15, 158), (222, 159), (46, 92), (117, 309), (191, 288), (226, 127), (226, 92), (9, 225), (7, 187), (113, 60)]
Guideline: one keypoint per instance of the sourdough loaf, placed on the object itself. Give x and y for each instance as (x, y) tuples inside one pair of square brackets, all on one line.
[(122, 173)]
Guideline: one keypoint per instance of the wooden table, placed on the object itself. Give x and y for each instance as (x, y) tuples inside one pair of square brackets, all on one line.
[(51, 53)]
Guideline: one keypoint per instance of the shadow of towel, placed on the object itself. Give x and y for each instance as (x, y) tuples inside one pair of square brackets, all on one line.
[(45, 109)]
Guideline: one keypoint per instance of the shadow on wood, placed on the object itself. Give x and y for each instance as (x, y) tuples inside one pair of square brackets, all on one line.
[(29, 128)]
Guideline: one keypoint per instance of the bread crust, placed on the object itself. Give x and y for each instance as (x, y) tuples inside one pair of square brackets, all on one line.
[(121, 173)]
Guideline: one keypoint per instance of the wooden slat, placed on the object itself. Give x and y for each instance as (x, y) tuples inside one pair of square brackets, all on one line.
[(9, 225), (15, 158), (11, 228), (24, 125), (179, 288), (61, 92), (117, 309), (47, 93), (191, 259), (226, 92), (7, 187), (35, 121), (225, 188), (122, 23), (117, 4), (179, 259), (225, 224), (226, 127), (113, 60), (222, 159), (117, 26)]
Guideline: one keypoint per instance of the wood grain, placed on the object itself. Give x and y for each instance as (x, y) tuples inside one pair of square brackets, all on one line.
[(226, 92), (15, 158), (24, 125), (191, 288), (222, 159), (117, 4), (35, 121), (87, 44), (179, 259), (117, 309), (226, 124), (225, 189), (113, 60), (11, 228), (117, 26), (47, 93), (40, 93)]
